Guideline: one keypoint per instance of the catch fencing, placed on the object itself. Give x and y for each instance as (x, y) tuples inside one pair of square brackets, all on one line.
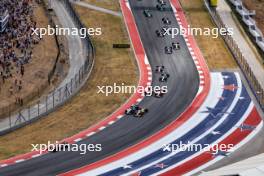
[(60, 95)]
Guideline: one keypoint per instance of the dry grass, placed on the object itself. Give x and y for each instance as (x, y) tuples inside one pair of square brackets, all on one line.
[(44, 55), (213, 49), (107, 4), (88, 107)]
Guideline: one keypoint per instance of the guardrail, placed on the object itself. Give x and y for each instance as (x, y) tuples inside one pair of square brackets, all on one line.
[(59, 96), (242, 62)]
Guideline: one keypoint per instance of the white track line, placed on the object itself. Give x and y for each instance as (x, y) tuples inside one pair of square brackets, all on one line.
[(240, 144), (230, 108), (216, 142), (216, 91)]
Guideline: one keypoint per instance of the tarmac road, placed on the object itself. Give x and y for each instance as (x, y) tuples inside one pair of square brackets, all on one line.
[(182, 86)]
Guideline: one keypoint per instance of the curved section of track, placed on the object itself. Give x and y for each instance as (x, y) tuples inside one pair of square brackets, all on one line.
[(125, 132), (231, 107), (227, 117)]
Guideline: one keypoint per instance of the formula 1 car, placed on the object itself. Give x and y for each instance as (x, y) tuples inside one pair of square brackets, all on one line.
[(147, 13), (136, 111), (160, 33), (166, 20), (168, 50), (161, 2), (141, 112), (132, 110), (159, 69), (160, 7), (164, 77), (176, 46)]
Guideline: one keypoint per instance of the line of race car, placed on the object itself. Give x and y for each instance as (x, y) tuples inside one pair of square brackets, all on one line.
[(162, 32), (135, 109)]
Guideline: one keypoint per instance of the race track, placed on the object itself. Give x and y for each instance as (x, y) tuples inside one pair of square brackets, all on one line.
[(183, 85)]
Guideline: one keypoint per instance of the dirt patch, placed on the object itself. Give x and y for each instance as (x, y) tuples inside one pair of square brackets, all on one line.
[(88, 107), (214, 50)]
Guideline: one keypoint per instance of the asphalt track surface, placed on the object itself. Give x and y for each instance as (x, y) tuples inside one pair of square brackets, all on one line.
[(182, 86)]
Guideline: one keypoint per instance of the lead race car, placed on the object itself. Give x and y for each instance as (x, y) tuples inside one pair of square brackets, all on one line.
[(136, 111)]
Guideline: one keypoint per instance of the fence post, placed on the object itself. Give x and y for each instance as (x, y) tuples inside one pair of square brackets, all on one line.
[(59, 94), (75, 80), (29, 113), (10, 122), (80, 76), (53, 99), (82, 71), (71, 86), (46, 103), (38, 107)]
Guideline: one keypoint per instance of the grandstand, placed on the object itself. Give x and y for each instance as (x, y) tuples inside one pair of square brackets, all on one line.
[(3, 20)]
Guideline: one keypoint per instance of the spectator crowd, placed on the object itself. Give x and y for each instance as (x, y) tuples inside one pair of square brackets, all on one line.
[(16, 44)]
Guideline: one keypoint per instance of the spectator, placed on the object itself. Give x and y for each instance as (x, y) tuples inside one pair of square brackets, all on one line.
[(16, 42)]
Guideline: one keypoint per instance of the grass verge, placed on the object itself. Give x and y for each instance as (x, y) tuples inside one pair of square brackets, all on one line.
[(214, 50)]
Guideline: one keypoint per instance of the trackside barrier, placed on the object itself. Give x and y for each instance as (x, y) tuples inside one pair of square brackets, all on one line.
[(238, 55), (59, 96)]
